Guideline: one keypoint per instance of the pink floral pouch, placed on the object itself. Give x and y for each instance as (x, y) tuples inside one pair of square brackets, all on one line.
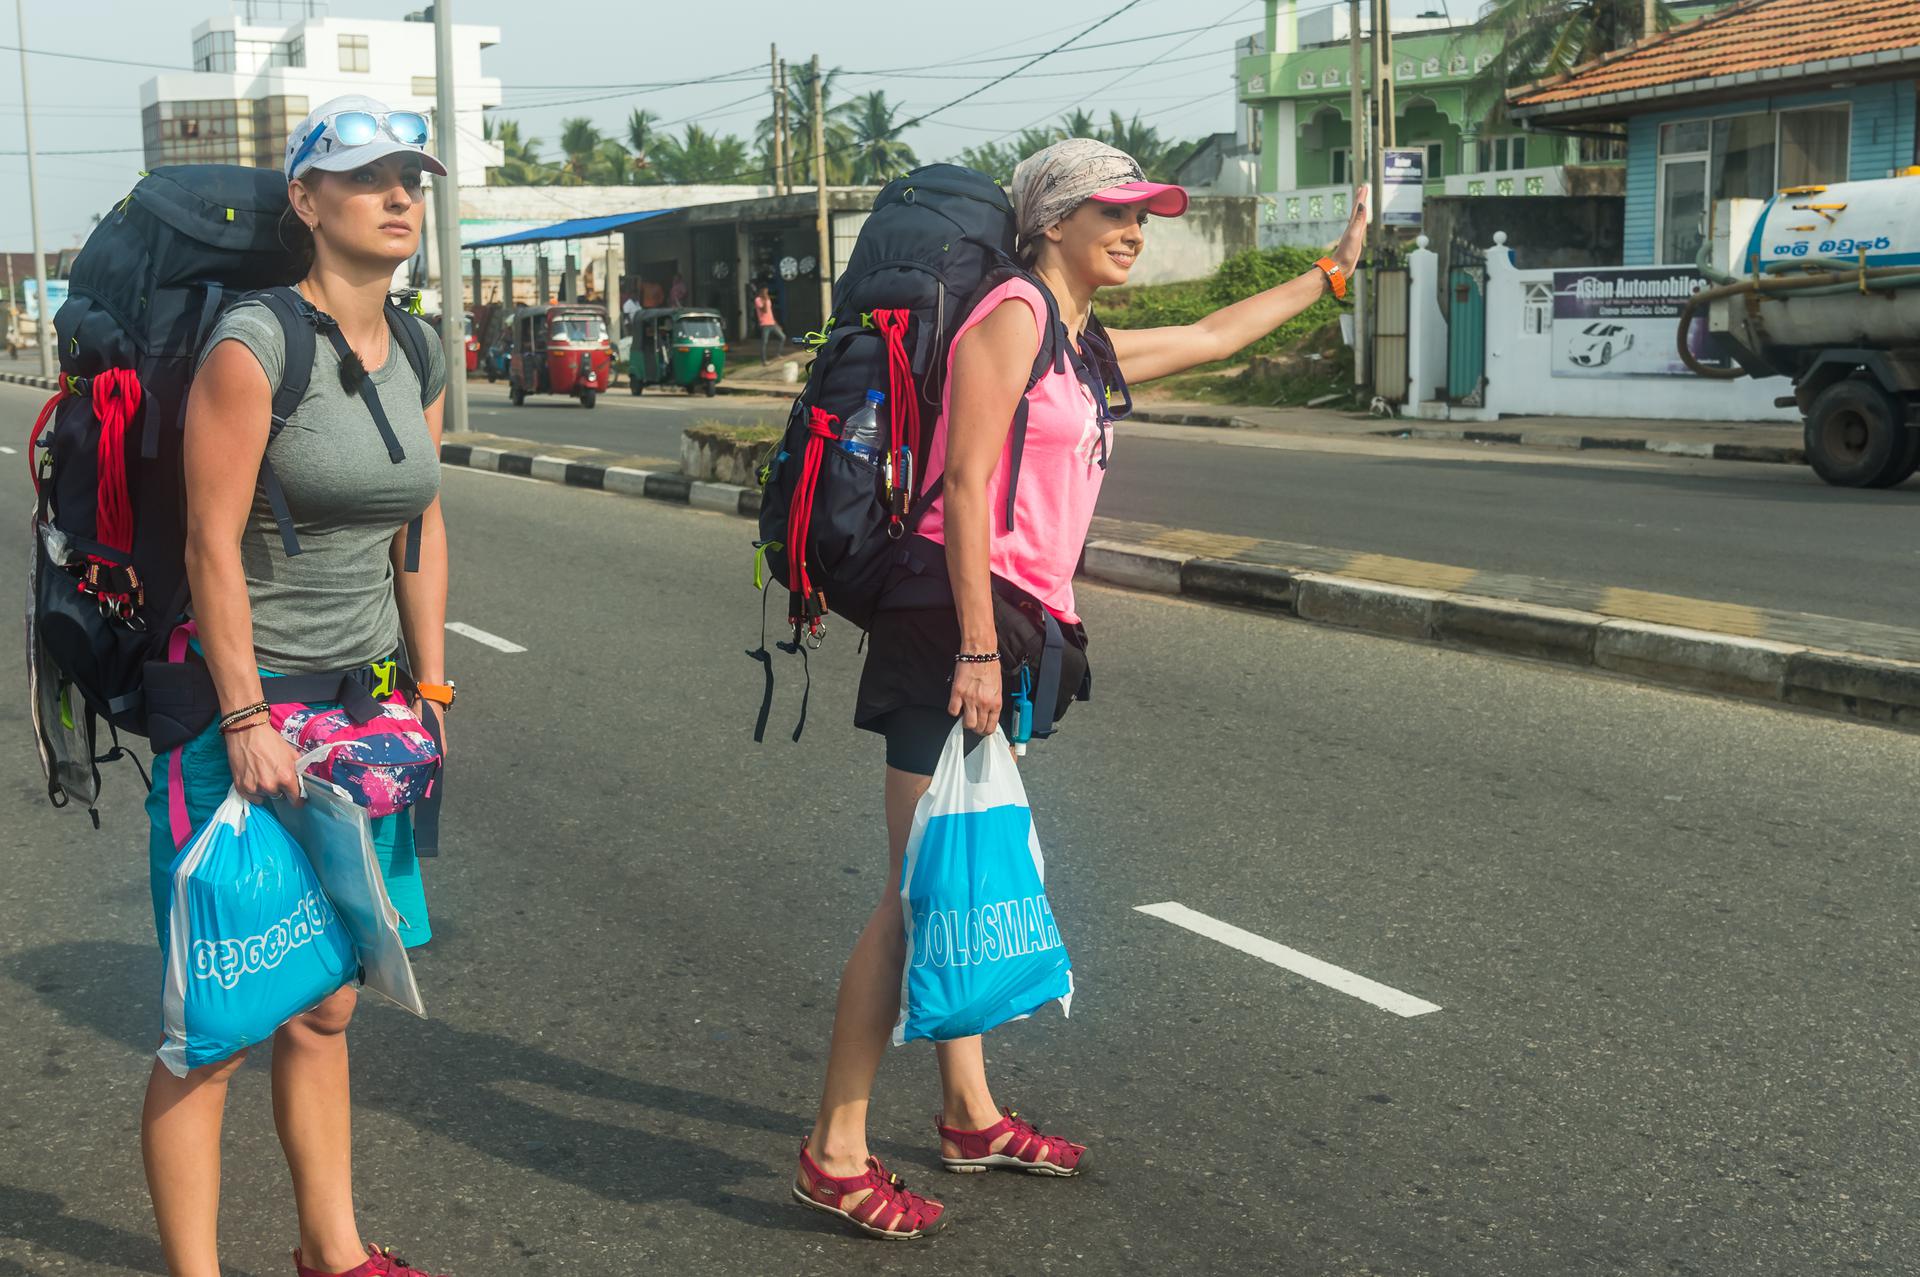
[(387, 764)]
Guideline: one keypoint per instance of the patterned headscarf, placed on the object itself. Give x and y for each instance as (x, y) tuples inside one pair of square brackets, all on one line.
[(1048, 185)]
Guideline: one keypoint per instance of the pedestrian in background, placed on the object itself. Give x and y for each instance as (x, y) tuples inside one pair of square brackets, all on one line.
[(1081, 208), (763, 316), (339, 606)]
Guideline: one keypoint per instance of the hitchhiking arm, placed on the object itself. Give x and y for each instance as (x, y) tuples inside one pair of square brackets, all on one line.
[(1146, 353)]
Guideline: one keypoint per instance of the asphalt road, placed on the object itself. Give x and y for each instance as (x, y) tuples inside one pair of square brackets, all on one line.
[(1762, 535), (1670, 938)]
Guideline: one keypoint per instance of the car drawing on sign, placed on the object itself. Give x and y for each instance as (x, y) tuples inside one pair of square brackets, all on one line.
[(1595, 345)]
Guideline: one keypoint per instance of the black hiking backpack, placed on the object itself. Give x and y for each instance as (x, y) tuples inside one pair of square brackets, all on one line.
[(832, 523), (108, 571)]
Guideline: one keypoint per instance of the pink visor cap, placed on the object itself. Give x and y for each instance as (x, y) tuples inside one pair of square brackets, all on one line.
[(1163, 199)]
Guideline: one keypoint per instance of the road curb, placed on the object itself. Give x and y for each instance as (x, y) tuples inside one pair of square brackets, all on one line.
[(1848, 684), (1771, 454), (30, 379)]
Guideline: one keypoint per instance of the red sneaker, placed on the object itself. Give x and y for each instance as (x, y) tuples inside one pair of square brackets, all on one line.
[(1027, 1149), (381, 1262), (889, 1211)]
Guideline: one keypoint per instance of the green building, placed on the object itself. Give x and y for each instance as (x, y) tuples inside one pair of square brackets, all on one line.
[(1294, 79)]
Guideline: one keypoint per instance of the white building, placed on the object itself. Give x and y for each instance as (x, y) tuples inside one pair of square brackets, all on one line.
[(254, 81)]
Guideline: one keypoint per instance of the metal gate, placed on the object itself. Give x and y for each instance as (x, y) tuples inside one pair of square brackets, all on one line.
[(1390, 334), (1466, 305)]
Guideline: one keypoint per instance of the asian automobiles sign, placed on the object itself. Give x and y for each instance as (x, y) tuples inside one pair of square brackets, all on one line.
[(1620, 322)]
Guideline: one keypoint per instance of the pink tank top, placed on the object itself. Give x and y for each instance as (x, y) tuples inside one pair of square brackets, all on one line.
[(1060, 472)]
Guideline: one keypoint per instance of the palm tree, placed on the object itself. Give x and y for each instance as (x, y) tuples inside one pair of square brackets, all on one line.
[(878, 154), (701, 157), (642, 132), (839, 136), (1081, 123), (521, 164), (580, 142), (1541, 38)]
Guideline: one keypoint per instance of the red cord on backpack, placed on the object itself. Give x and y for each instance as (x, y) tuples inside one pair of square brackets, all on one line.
[(116, 398), (820, 431), (903, 399), (33, 439)]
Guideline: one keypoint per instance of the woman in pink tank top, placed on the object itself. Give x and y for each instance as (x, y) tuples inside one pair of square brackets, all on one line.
[(1008, 550)]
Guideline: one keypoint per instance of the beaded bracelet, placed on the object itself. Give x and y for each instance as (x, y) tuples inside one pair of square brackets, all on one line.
[(228, 720), (977, 658)]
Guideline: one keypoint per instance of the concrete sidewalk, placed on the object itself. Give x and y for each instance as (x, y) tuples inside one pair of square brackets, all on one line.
[(1711, 440)]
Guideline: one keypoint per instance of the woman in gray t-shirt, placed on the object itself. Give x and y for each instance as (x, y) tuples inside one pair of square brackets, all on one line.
[(354, 181)]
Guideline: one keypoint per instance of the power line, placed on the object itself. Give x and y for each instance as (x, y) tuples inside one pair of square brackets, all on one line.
[(92, 57)]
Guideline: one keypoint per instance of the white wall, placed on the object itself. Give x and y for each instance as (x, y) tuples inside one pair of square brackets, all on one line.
[(1193, 246), (1519, 370)]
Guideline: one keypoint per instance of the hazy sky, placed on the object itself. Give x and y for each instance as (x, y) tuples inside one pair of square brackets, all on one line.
[(548, 48)]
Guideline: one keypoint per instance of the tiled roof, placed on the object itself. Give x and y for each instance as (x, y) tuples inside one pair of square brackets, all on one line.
[(1757, 40)]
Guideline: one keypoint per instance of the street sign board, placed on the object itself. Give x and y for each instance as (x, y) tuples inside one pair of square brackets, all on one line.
[(1402, 181), (1619, 322)]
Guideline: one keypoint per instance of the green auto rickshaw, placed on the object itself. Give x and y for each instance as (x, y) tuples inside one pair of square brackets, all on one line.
[(677, 346)]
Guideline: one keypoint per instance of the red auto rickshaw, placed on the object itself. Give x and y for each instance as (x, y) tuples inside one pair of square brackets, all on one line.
[(559, 350), (472, 344)]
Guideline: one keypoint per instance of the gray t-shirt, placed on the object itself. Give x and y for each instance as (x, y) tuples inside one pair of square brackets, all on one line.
[(332, 606)]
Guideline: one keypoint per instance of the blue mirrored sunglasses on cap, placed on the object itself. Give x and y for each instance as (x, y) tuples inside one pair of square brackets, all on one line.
[(357, 128)]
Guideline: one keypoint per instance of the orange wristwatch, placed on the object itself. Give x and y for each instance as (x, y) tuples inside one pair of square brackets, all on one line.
[(438, 693), (1335, 276)]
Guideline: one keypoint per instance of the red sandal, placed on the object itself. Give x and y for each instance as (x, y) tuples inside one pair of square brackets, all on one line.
[(1028, 1150), (888, 1211), (380, 1262)]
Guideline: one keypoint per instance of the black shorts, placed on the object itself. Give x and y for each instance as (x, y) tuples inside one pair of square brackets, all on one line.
[(909, 676)]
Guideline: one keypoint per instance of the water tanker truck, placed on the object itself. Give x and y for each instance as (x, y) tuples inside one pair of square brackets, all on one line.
[(1822, 284)]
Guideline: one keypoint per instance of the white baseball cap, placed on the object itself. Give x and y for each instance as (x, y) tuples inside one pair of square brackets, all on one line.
[(344, 133)]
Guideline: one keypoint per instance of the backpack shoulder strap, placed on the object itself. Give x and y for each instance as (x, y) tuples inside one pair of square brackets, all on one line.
[(1053, 353), (412, 334), (296, 331)]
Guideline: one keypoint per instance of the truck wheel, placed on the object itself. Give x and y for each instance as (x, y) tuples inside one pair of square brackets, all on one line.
[(1908, 463), (1856, 435)]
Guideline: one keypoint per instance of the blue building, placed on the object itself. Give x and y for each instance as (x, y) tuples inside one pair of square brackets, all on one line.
[(1750, 100)]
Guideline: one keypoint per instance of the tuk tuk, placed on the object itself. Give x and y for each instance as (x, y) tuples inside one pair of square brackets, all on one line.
[(558, 350), (677, 346)]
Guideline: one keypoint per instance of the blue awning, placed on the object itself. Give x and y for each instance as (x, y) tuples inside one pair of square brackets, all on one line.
[(575, 228)]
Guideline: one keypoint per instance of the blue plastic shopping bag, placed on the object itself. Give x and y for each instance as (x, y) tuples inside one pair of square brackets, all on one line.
[(982, 945), (252, 940)]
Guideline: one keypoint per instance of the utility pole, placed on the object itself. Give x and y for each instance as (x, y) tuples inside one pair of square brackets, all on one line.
[(779, 142), (820, 198), (446, 218), (45, 323), (786, 133), (1359, 146)]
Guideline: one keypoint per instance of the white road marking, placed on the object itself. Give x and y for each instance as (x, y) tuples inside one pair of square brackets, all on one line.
[(5, 449), (1380, 995), (491, 474), (478, 635)]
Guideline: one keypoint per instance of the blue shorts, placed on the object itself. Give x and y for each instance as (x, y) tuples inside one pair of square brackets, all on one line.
[(208, 777)]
